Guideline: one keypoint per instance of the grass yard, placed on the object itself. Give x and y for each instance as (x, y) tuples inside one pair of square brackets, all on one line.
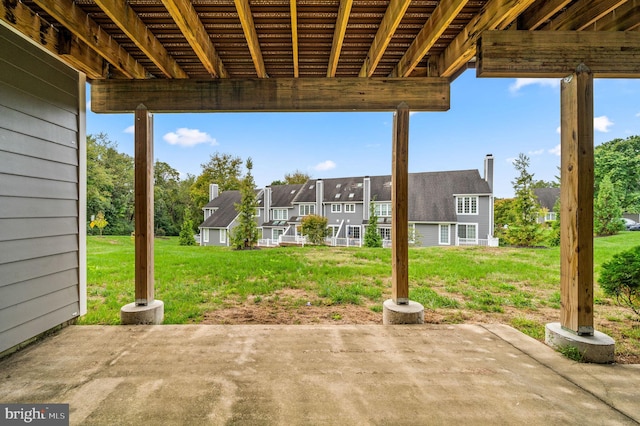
[(293, 285)]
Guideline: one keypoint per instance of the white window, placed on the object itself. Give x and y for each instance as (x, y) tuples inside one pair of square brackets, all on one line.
[(353, 232), (275, 234), (444, 235), (385, 233), (336, 208), (383, 210), (307, 209), (349, 208), (223, 236), (550, 216), (468, 233), (467, 205), (333, 230), (205, 235), (280, 214)]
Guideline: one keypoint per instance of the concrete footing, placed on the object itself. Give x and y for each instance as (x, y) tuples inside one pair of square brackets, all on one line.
[(152, 313), (598, 348), (412, 313)]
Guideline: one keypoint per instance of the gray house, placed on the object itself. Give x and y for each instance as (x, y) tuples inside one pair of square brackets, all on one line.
[(547, 198), (445, 208)]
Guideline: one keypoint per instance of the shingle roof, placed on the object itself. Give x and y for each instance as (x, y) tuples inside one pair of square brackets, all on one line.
[(283, 195), (547, 197), (226, 211)]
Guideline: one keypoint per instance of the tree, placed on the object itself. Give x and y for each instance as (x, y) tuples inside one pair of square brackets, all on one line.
[(245, 234), (371, 235), (222, 169), (504, 215), (526, 230), (606, 210), (297, 177), (314, 227), (620, 159), (99, 222), (186, 234), (620, 278), (169, 205)]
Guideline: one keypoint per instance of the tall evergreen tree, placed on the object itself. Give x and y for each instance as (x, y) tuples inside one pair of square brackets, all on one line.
[(526, 230), (245, 234), (606, 209), (371, 235)]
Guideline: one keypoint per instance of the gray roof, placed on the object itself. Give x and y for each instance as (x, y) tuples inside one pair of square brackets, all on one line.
[(283, 195), (226, 212), (343, 187), (547, 197)]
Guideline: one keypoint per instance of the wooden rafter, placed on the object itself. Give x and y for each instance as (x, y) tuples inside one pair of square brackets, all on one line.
[(186, 18), (437, 23), (270, 94), (80, 24), (76, 53), (583, 13), (497, 14), (338, 36), (392, 18), (540, 12), (294, 37), (624, 18), (128, 21), (250, 34)]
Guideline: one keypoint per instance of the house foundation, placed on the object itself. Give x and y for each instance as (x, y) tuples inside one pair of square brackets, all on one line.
[(410, 313), (153, 313), (598, 348)]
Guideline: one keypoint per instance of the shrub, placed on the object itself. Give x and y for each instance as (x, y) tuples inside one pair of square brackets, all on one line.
[(620, 278), (186, 234), (314, 227)]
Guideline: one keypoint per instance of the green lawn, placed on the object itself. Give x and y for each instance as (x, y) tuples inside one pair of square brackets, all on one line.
[(455, 284)]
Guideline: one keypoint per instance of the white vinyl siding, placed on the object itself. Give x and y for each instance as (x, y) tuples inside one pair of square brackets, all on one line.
[(349, 208), (306, 209), (444, 234), (467, 205), (280, 214)]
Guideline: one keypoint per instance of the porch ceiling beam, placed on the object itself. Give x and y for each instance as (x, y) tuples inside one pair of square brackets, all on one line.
[(540, 12), (582, 14), (294, 37), (437, 23), (392, 18), (497, 15), (86, 29), (609, 54), (272, 94), (624, 18), (186, 18), (250, 34), (74, 52), (338, 36), (128, 21)]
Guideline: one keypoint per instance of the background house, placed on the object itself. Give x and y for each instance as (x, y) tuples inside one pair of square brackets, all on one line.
[(445, 208), (547, 198)]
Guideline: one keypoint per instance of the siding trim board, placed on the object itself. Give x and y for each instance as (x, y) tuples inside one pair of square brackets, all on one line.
[(42, 186)]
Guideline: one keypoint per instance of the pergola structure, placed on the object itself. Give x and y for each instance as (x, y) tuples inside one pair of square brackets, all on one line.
[(147, 56)]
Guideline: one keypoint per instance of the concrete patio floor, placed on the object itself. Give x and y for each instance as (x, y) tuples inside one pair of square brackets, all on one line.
[(316, 375)]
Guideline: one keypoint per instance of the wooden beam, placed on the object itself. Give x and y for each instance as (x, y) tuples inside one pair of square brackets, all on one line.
[(30, 24), (400, 207), (392, 18), (271, 94), (539, 13), (294, 37), (80, 24), (250, 34), (609, 54), (143, 211), (338, 36), (581, 14), (624, 18), (435, 26), (576, 202), (497, 14), (128, 21), (186, 18)]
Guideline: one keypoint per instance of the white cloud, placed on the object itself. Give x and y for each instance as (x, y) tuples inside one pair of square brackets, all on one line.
[(602, 123), (537, 152), (188, 137), (89, 105), (523, 82), (131, 129), (559, 129), (324, 166), (555, 150)]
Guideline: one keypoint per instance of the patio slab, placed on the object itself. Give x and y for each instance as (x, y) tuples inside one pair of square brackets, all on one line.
[(316, 375)]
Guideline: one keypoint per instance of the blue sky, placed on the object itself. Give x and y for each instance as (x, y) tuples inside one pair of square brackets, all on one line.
[(503, 117)]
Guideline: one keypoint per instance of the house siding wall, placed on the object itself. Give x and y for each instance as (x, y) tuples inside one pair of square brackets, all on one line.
[(42, 175), (482, 218), (426, 235)]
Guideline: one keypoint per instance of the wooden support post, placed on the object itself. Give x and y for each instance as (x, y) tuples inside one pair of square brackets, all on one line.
[(400, 206), (143, 213), (576, 201)]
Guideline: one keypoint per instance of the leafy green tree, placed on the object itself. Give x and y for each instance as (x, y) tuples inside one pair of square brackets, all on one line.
[(525, 231), (186, 234), (278, 182), (606, 210), (296, 177), (221, 169), (504, 215), (371, 236), (169, 206), (314, 227), (620, 159), (620, 278), (245, 233), (554, 236)]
